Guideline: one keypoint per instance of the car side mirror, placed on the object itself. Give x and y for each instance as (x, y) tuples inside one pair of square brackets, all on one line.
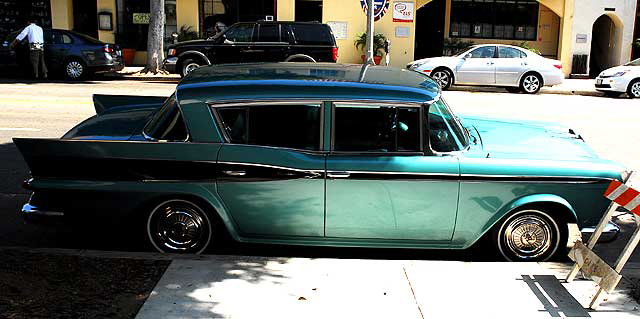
[(467, 56)]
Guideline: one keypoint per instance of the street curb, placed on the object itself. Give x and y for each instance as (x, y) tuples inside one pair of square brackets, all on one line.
[(542, 91), (118, 77)]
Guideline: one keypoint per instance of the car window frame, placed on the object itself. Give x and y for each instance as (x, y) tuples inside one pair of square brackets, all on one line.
[(172, 99), (425, 123), (521, 54), (421, 128), (215, 106), (235, 26), (280, 36), (495, 51)]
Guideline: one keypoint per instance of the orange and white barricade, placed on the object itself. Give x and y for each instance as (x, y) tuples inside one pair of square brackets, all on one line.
[(592, 266)]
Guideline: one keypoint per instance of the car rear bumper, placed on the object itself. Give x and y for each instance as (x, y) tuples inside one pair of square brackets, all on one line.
[(610, 233), (553, 78), (170, 64)]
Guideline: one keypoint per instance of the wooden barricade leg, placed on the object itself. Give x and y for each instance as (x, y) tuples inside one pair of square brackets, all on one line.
[(622, 260)]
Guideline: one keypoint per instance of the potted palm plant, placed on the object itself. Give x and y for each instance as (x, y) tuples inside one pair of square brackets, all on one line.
[(378, 45)]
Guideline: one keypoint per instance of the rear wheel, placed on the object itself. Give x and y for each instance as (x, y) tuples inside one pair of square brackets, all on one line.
[(443, 77), (179, 226), (75, 70), (529, 234), (634, 89), (531, 83), (188, 66)]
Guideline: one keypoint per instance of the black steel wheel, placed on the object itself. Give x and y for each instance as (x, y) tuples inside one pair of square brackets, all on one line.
[(179, 226), (529, 234)]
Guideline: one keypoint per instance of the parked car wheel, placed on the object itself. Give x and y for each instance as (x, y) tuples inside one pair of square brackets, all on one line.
[(188, 66), (634, 89), (513, 89), (179, 226), (75, 70), (529, 234), (531, 83), (444, 78), (612, 94)]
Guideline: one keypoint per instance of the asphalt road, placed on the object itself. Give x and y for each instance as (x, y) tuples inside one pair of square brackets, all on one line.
[(33, 109)]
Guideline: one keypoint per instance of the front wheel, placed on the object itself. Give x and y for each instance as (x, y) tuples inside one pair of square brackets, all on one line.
[(188, 66), (179, 226), (528, 235), (443, 77), (634, 89), (531, 83)]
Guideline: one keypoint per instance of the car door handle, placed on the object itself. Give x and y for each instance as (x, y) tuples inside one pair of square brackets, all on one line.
[(338, 174), (490, 63), (235, 173), (525, 63)]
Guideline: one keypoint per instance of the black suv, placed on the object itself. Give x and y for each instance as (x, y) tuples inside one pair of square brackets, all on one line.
[(264, 41)]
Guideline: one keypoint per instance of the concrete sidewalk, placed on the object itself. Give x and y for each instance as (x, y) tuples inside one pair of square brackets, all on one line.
[(271, 287), (568, 87)]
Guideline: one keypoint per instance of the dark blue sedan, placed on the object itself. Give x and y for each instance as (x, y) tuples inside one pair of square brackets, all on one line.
[(71, 54)]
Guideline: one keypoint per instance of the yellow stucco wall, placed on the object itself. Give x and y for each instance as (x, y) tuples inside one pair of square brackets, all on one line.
[(107, 6), (187, 14), (351, 12), (286, 10), (62, 14)]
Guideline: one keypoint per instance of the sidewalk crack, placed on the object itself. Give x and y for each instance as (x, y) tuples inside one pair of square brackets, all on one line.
[(413, 293)]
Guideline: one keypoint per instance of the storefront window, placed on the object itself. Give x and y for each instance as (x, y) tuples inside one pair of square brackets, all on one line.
[(494, 19), (13, 14), (217, 14), (133, 30)]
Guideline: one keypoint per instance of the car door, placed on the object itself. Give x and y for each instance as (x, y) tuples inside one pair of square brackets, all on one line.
[(380, 183), (510, 65), (478, 66), (268, 46), (234, 44), (56, 48), (271, 173)]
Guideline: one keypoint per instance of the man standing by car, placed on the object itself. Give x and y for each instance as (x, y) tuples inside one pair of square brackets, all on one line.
[(34, 35)]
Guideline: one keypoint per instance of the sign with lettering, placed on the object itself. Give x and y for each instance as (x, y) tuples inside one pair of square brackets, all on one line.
[(403, 11), (141, 18)]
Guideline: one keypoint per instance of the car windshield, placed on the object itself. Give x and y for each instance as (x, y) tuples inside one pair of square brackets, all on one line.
[(446, 133), (635, 62), (460, 52)]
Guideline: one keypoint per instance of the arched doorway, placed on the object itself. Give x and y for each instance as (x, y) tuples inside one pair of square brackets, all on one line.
[(605, 45), (430, 29)]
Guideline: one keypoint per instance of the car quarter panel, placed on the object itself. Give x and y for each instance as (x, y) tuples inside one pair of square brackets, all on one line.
[(110, 179), (492, 188)]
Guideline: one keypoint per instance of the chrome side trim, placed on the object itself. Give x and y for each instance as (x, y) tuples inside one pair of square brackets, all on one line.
[(317, 171), (237, 102), (33, 211)]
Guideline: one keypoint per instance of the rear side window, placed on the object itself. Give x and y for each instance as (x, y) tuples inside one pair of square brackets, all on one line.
[(269, 33), (240, 33), (167, 123), (291, 126), (364, 128), (312, 34), (510, 53)]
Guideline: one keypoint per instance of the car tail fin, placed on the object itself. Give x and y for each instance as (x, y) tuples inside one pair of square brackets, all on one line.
[(105, 102)]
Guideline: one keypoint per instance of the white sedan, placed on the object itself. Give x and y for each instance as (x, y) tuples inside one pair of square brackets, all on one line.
[(512, 67), (620, 79)]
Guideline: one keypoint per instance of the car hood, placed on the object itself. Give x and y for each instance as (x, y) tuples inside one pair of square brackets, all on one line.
[(616, 69), (504, 138)]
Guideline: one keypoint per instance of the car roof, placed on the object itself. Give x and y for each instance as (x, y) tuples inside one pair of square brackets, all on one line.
[(299, 80)]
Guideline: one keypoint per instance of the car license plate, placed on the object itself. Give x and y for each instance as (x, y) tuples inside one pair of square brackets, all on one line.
[(599, 81)]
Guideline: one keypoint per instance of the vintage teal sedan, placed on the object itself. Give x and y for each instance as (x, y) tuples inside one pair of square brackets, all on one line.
[(318, 154)]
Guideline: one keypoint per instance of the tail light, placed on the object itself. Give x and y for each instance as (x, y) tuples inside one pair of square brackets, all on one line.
[(334, 53), (558, 66), (107, 49), (171, 52)]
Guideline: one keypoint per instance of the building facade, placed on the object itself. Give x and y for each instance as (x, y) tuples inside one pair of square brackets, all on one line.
[(586, 35)]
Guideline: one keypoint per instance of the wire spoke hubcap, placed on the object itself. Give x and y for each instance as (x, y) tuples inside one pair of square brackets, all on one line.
[(528, 236), (74, 69), (531, 83)]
